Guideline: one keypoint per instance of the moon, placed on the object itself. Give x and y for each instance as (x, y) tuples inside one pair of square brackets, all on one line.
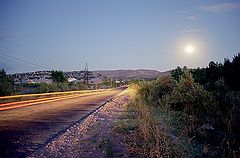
[(189, 49)]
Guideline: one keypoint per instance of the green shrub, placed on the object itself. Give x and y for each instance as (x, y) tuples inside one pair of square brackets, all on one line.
[(152, 92), (193, 99), (43, 88), (162, 86), (144, 92)]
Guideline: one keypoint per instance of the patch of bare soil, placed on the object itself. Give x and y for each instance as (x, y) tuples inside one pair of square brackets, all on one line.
[(94, 137)]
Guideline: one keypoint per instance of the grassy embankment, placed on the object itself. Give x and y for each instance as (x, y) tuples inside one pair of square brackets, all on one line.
[(167, 118)]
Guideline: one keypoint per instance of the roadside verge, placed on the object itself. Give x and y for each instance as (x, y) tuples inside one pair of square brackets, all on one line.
[(93, 137)]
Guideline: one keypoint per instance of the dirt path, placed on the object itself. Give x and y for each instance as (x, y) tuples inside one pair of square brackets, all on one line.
[(94, 137)]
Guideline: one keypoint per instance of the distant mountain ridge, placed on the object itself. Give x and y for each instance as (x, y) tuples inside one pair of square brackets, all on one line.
[(132, 74)]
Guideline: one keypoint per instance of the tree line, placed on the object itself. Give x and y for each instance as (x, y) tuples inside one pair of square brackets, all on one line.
[(216, 76)]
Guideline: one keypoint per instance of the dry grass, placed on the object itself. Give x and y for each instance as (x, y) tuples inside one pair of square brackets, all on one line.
[(149, 131), (149, 138)]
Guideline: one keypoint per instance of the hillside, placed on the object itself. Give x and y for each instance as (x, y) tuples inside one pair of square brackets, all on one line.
[(131, 74)]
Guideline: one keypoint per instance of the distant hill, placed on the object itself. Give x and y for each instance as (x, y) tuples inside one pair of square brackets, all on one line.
[(132, 74)]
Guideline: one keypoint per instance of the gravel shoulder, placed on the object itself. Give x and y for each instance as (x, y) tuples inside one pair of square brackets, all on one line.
[(93, 137)]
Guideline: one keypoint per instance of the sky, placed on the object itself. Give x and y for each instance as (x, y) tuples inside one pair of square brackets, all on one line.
[(116, 34)]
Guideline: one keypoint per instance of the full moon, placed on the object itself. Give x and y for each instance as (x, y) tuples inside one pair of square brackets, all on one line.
[(189, 49)]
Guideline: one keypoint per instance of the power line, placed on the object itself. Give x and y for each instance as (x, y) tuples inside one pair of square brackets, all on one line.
[(11, 50), (22, 50), (24, 61)]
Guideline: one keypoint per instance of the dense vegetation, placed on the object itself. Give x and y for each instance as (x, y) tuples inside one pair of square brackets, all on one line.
[(192, 113), (6, 84)]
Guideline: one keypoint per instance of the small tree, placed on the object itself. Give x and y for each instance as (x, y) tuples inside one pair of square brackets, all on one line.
[(6, 84), (214, 72), (199, 75), (58, 76), (232, 72), (177, 73)]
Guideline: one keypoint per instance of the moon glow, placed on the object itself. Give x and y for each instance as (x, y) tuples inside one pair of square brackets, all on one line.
[(189, 49)]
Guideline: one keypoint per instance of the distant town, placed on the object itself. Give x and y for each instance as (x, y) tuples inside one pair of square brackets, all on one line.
[(45, 77), (93, 77)]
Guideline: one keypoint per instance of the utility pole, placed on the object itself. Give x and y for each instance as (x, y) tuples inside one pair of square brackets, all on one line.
[(96, 85), (86, 74)]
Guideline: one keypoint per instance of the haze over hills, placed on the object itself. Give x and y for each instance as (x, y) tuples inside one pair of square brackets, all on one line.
[(132, 74)]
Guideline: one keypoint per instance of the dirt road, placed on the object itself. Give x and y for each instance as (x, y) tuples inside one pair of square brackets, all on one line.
[(25, 129)]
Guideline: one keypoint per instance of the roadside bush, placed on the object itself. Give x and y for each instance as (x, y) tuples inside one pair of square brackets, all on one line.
[(176, 114), (190, 119), (186, 96), (162, 86), (43, 88), (152, 92), (144, 92), (191, 98)]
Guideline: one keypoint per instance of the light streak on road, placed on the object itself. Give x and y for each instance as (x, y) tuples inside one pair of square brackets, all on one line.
[(52, 93), (18, 104)]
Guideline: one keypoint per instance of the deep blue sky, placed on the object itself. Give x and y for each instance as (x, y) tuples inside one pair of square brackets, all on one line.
[(116, 34)]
